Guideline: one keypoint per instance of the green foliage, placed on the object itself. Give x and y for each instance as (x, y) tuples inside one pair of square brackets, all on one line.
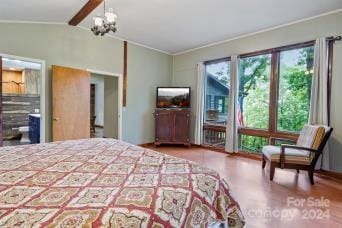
[(251, 143), (293, 93), (293, 101)]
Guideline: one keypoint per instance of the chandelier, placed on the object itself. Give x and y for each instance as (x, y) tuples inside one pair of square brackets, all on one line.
[(103, 25)]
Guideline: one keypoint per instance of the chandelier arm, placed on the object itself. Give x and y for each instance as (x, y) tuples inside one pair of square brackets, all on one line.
[(105, 26)]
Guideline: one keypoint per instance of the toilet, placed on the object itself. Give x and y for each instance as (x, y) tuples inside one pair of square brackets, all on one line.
[(25, 134)]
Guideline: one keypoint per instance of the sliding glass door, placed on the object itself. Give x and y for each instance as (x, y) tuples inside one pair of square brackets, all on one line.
[(217, 86)]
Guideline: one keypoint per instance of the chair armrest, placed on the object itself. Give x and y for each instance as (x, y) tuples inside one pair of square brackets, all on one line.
[(284, 146), (299, 148)]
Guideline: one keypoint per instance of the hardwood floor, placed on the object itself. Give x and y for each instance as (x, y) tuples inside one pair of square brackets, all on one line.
[(251, 187)]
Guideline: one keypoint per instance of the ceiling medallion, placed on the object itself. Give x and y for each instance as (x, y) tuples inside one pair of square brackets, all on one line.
[(106, 24)]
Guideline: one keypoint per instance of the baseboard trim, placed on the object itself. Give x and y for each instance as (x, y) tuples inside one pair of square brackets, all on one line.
[(330, 174), (150, 144)]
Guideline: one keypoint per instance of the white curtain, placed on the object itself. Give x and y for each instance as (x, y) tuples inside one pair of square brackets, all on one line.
[(232, 141), (200, 103), (319, 94)]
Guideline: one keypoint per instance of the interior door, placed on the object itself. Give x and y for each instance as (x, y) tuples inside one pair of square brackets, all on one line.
[(70, 103)]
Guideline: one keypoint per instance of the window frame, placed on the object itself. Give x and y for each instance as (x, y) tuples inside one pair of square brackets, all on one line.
[(272, 133)]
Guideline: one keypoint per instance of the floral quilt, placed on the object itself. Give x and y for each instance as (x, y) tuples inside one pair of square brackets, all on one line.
[(108, 183)]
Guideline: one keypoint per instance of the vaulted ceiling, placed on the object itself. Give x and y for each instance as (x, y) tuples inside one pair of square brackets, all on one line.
[(175, 25)]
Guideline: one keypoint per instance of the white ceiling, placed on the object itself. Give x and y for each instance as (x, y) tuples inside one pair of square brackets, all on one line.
[(174, 26)]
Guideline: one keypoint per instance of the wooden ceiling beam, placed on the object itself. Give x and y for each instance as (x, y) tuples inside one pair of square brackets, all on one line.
[(84, 12)]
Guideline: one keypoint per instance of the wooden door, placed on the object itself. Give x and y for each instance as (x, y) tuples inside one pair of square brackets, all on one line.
[(181, 131), (164, 126), (70, 103)]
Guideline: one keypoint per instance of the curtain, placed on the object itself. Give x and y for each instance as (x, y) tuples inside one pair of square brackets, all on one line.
[(319, 94), (200, 103), (232, 141)]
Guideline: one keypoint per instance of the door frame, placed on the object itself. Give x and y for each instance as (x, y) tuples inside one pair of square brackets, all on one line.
[(43, 119), (120, 88)]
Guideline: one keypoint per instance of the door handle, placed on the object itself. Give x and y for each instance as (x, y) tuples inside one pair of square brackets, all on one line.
[(55, 119)]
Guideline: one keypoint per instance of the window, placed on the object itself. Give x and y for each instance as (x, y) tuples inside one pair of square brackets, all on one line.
[(252, 143), (274, 96), (217, 92), (254, 91), (295, 77)]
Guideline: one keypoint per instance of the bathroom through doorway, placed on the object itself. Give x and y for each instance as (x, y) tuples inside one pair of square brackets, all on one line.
[(20, 101)]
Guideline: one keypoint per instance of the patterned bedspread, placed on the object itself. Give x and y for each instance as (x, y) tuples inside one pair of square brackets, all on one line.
[(108, 183)]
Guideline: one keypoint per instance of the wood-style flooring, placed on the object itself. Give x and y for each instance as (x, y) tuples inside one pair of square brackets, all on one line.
[(261, 199)]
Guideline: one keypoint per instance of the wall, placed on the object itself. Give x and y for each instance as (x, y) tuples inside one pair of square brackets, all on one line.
[(32, 81), (336, 109), (111, 112), (147, 69), (79, 48), (98, 80), (15, 111), (10, 87), (184, 65)]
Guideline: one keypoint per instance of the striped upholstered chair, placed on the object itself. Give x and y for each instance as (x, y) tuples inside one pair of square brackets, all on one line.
[(303, 155)]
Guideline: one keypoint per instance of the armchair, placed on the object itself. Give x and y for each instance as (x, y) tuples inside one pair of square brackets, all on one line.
[(303, 155)]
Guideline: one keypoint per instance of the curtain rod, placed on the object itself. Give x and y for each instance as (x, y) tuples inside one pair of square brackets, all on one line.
[(335, 38)]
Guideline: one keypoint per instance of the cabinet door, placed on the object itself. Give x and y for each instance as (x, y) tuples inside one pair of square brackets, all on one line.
[(182, 121), (164, 123)]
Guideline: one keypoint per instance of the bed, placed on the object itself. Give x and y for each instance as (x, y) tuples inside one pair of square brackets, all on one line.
[(109, 183)]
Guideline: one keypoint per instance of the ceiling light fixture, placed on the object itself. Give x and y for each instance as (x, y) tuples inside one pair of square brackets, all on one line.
[(106, 24)]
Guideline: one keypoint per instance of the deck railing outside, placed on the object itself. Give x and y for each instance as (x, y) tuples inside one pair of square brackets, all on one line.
[(214, 135)]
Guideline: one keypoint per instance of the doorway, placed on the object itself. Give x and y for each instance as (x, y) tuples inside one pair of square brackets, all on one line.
[(21, 81), (104, 106), (71, 103)]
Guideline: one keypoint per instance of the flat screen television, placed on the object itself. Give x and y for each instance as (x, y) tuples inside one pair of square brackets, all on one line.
[(173, 97)]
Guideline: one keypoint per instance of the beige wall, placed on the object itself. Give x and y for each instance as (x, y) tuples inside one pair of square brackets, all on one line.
[(111, 96), (336, 112), (150, 69), (184, 66), (79, 48)]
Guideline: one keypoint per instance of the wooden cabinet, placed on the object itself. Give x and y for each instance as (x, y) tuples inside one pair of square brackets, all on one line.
[(172, 127)]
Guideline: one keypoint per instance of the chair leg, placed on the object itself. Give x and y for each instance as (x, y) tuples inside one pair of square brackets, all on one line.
[(273, 166), (263, 161), (311, 176)]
